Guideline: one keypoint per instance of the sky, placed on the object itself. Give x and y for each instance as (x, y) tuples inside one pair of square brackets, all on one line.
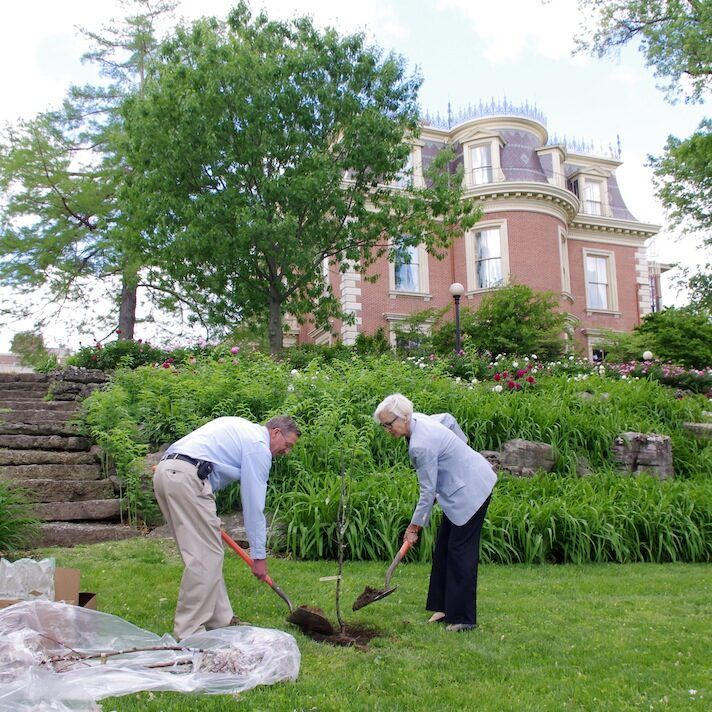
[(466, 51)]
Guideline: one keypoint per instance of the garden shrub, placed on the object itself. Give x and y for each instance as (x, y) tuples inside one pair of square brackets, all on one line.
[(126, 353), (678, 336), (511, 320)]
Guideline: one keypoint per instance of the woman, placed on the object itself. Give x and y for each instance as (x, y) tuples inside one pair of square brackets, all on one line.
[(461, 480)]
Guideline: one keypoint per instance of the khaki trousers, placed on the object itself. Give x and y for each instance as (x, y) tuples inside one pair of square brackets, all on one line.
[(188, 505)]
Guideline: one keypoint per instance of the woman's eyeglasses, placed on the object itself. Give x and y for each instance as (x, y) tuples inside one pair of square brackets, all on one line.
[(388, 425)]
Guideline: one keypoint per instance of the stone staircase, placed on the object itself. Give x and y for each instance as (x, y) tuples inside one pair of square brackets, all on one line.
[(42, 454)]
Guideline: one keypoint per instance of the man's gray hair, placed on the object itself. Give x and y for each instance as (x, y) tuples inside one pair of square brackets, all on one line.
[(284, 423), (397, 405)]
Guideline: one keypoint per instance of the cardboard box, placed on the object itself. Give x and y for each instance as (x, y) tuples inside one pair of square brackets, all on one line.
[(66, 588)]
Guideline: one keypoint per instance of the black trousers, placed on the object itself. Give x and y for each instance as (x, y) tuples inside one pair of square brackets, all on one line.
[(453, 576)]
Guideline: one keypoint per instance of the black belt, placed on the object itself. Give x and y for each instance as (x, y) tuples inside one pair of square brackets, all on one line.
[(203, 466)]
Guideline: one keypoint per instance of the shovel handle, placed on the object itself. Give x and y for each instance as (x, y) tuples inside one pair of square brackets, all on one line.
[(399, 556), (246, 558)]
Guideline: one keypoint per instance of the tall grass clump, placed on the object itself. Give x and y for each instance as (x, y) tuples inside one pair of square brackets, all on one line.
[(602, 518), (17, 525)]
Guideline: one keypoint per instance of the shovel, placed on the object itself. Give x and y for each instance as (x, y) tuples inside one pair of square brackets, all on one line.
[(371, 595), (308, 619)]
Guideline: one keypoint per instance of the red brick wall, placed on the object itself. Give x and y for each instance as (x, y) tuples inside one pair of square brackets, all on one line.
[(533, 240)]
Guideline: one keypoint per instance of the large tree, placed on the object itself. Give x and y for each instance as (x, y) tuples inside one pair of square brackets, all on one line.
[(684, 179), (674, 36), (63, 226), (262, 148)]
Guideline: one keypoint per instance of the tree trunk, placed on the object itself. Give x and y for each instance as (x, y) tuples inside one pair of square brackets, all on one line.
[(276, 336), (127, 307)]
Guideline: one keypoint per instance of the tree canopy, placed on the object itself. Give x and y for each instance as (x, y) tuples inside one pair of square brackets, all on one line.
[(674, 36), (63, 226), (683, 177), (261, 148)]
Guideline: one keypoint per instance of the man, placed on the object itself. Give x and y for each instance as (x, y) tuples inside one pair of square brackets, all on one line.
[(222, 451)]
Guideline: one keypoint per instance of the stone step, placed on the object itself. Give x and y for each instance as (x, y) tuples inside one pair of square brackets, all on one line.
[(49, 427), (27, 416), (64, 490), (24, 378), (91, 509), (39, 404), (74, 533), (46, 457), (702, 431), (50, 471), (21, 391), (45, 442)]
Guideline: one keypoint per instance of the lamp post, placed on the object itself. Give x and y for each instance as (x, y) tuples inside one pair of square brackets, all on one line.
[(457, 290)]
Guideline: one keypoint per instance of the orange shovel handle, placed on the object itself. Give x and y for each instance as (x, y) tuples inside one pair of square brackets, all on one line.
[(399, 556), (246, 558)]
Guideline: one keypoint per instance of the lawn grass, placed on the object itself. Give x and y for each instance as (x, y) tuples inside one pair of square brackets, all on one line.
[(590, 637)]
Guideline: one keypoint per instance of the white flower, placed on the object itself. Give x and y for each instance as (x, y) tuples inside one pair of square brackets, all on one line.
[(290, 387), (497, 388), (293, 372), (534, 370), (692, 692), (515, 364), (571, 358), (534, 356)]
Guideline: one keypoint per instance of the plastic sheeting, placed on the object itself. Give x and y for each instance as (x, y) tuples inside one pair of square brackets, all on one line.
[(27, 579), (44, 664)]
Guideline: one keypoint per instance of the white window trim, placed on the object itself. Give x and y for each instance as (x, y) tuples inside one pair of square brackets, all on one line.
[(423, 277), (471, 254), (416, 179), (565, 264), (612, 282), (395, 319), (583, 181), (495, 144)]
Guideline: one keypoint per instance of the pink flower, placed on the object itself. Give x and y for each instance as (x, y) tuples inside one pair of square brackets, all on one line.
[(235, 350), (531, 379), (521, 373), (511, 384), (497, 377), (165, 364)]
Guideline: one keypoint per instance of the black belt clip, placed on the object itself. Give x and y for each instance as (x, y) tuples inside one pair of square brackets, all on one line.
[(203, 467)]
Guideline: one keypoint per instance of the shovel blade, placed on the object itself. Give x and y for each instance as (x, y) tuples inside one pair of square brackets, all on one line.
[(311, 620), (371, 595)]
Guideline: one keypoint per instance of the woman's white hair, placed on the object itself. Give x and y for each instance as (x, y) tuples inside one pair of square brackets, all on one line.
[(397, 405)]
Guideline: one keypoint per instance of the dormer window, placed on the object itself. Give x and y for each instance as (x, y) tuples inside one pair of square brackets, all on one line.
[(481, 156), (593, 198), (590, 186)]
